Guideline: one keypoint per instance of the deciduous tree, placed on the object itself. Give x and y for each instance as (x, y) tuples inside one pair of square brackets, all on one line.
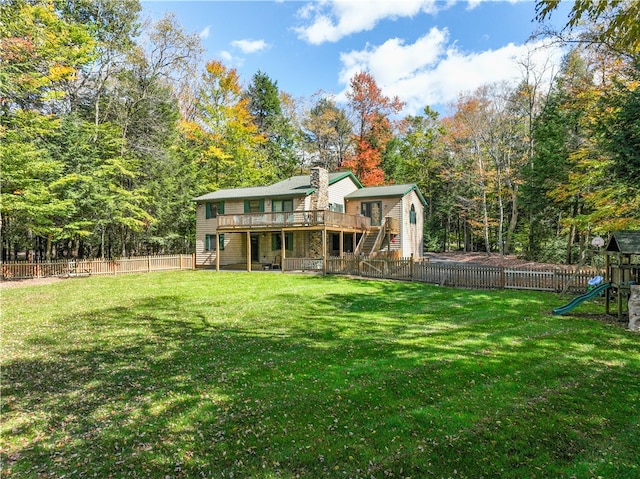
[(373, 127), (328, 133)]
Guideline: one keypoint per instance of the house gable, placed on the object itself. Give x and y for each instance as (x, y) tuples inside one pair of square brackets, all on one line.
[(387, 191)]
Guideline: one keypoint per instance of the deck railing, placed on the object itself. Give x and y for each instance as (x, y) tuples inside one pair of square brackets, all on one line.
[(392, 225), (293, 219)]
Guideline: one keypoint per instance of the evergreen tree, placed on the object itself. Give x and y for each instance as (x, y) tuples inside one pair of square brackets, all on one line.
[(266, 110)]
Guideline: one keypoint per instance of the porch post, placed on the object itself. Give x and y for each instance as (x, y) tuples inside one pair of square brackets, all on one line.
[(341, 243), (283, 246), (249, 251), (217, 251), (324, 251)]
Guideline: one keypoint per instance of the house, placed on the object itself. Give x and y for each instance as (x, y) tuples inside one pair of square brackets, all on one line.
[(307, 217)]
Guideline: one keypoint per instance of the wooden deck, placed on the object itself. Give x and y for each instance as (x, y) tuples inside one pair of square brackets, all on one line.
[(293, 220)]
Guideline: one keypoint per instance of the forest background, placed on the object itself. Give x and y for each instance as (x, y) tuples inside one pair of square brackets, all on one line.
[(109, 127)]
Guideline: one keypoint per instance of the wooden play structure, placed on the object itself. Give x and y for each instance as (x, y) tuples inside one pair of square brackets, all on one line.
[(622, 269)]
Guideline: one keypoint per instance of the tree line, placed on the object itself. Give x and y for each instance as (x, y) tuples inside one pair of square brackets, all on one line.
[(110, 126)]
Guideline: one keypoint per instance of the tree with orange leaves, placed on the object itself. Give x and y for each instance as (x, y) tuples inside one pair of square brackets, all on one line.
[(373, 127)]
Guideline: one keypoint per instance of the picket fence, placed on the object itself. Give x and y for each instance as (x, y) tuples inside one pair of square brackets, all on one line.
[(91, 267), (463, 275)]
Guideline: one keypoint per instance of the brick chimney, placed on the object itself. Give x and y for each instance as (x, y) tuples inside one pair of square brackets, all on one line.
[(320, 182)]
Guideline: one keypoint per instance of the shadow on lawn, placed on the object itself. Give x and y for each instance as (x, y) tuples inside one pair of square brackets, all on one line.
[(380, 385)]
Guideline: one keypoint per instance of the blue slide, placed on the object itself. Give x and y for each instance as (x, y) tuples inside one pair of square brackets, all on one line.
[(580, 299)]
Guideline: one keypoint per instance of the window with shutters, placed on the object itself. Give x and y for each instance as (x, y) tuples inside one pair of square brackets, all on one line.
[(281, 205), (254, 206), (276, 241), (213, 209), (210, 242)]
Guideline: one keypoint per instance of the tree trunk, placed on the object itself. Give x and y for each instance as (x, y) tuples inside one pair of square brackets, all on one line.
[(102, 243), (485, 222), (513, 221), (49, 248), (123, 236), (569, 256)]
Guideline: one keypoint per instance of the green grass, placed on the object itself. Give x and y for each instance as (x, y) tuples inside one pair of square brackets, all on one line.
[(264, 375)]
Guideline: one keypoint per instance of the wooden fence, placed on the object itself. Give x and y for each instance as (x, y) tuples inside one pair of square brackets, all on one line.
[(90, 267), (303, 264), (463, 275)]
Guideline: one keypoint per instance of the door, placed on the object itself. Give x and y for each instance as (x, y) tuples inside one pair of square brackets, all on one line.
[(255, 248), (372, 209)]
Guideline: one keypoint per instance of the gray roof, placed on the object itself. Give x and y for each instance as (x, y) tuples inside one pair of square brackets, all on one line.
[(294, 186), (625, 242), (386, 191)]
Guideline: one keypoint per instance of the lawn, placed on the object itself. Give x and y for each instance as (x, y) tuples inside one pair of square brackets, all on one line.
[(200, 374)]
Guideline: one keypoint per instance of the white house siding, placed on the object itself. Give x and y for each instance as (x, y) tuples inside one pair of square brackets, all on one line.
[(393, 207), (412, 234), (340, 189), (234, 247), (204, 227)]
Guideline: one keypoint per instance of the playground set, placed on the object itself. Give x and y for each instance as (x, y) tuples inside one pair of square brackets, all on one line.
[(622, 269)]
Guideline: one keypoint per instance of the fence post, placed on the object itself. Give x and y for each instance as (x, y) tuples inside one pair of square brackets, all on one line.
[(411, 267), (148, 264), (503, 280)]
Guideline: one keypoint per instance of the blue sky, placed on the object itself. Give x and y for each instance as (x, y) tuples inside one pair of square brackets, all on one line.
[(427, 52)]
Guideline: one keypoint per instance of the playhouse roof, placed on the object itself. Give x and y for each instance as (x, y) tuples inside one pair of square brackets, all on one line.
[(625, 242)]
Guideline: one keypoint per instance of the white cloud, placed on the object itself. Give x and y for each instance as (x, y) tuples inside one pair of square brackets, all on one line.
[(335, 19), (230, 60), (433, 72), (250, 46), (471, 4), (331, 20), (205, 33), (394, 60)]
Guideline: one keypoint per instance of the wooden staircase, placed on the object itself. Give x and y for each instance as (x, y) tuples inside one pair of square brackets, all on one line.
[(373, 240), (366, 243)]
